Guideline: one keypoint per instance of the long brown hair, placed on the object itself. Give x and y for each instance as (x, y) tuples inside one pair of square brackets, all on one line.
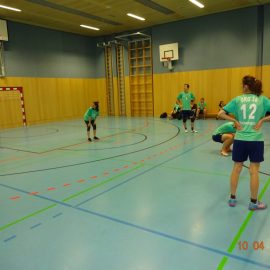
[(254, 85)]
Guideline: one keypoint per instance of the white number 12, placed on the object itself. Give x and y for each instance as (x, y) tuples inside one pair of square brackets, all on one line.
[(252, 107)]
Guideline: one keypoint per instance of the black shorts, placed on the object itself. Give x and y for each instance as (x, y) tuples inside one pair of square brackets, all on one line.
[(201, 111), (186, 114), (87, 122), (242, 150), (217, 138)]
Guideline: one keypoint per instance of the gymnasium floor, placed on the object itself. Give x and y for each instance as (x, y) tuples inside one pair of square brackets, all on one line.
[(145, 197)]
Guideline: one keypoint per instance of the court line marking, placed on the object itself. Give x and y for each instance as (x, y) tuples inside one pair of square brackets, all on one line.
[(179, 168), (97, 160), (146, 124), (226, 254), (10, 238), (77, 194), (164, 151), (159, 233), (241, 229), (142, 173), (36, 225), (177, 239), (108, 148), (58, 202), (28, 216), (102, 183)]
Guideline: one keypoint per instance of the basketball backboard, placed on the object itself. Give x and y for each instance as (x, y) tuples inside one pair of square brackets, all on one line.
[(168, 51)]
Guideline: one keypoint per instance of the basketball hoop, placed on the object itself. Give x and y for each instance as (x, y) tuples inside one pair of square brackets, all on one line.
[(167, 62)]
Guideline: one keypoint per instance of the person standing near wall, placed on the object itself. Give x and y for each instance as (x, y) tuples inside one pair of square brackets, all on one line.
[(90, 117), (249, 110), (184, 99)]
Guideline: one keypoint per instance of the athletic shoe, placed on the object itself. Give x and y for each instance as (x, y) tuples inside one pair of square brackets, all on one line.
[(232, 202), (257, 206), (96, 138), (194, 131), (186, 131), (89, 139)]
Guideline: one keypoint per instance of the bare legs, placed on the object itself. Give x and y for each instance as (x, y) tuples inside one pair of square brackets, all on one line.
[(237, 168), (254, 178), (227, 140)]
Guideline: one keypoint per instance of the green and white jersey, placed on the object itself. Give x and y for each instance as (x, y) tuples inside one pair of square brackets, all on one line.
[(202, 105), (225, 128), (92, 113), (248, 109), (186, 99)]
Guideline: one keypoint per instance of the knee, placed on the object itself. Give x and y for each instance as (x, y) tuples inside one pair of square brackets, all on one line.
[(253, 170), (88, 128), (94, 126), (238, 167)]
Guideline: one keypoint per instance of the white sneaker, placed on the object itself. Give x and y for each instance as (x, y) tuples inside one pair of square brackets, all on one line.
[(194, 131), (186, 131)]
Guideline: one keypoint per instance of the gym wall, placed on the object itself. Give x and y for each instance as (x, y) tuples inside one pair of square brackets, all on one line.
[(216, 51), (57, 71), (62, 73)]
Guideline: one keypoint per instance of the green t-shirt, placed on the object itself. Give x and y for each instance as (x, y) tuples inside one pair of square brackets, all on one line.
[(186, 99), (248, 109), (226, 128), (202, 105), (92, 113)]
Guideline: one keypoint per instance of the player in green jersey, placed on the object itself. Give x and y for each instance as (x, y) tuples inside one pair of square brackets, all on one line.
[(184, 99), (90, 117), (225, 134), (249, 110), (201, 109)]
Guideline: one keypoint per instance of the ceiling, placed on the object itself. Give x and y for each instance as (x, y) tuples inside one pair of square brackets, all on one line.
[(110, 15)]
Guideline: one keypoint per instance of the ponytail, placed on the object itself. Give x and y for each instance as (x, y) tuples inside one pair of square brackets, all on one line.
[(254, 85)]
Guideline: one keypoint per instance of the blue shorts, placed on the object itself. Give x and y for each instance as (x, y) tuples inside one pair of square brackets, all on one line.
[(188, 114), (242, 150), (217, 138)]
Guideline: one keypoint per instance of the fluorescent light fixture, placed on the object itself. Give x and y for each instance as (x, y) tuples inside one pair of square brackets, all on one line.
[(89, 27), (197, 3), (136, 17), (10, 8)]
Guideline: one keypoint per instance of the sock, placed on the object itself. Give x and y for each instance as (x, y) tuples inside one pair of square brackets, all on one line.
[(192, 128), (253, 200), (233, 197)]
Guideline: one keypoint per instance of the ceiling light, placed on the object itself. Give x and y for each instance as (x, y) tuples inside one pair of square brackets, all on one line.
[(136, 17), (89, 27), (10, 8), (197, 3)]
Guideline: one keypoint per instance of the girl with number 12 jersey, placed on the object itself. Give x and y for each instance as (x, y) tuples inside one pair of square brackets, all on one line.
[(249, 110)]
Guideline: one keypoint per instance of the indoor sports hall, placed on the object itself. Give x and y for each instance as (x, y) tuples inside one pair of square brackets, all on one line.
[(91, 176)]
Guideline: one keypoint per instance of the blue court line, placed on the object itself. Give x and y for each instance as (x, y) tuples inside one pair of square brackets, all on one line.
[(178, 239), (58, 215), (10, 238), (151, 230), (141, 173), (36, 225), (158, 233)]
